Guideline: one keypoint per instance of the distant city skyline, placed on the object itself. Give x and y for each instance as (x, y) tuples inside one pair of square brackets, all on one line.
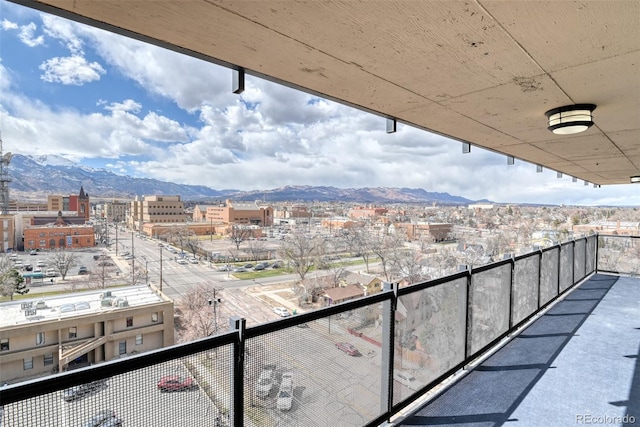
[(106, 101)]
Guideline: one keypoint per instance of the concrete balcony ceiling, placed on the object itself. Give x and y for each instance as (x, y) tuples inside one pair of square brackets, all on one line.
[(483, 72)]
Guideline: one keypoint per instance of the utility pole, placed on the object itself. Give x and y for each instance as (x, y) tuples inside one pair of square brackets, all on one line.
[(133, 262), (116, 240), (214, 302), (160, 268)]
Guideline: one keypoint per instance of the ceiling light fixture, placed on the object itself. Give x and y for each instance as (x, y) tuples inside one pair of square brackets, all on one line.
[(570, 119), (635, 179)]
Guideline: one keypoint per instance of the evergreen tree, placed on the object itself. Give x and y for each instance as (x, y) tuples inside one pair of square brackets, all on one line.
[(11, 282)]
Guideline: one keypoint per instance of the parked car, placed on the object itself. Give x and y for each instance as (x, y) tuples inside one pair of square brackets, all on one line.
[(285, 394), (175, 383), (28, 267), (41, 263), (224, 268), (83, 270), (192, 260), (239, 270), (248, 265), (266, 381), (405, 378), (33, 252), (128, 257), (348, 348), (105, 263), (104, 418), (259, 267), (182, 261), (281, 311), (51, 272), (77, 392)]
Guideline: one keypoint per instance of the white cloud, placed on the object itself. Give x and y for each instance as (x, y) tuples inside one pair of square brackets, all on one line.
[(70, 70), (8, 25), (27, 35), (64, 31)]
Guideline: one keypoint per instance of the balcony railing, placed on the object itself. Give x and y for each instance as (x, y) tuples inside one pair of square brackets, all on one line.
[(408, 339)]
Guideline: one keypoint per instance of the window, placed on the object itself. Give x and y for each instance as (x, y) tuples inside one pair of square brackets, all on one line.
[(73, 332), (129, 322), (139, 339), (48, 359), (27, 363), (122, 348), (4, 344), (154, 317), (40, 338)]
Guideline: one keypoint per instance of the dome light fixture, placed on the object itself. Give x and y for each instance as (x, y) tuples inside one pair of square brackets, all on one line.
[(570, 119), (635, 179)]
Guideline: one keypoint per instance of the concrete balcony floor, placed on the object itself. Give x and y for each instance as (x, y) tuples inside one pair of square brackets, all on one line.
[(577, 364)]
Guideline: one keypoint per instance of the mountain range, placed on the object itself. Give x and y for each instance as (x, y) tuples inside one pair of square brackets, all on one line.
[(37, 176)]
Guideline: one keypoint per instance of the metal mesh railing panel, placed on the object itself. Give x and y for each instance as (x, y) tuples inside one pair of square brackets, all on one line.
[(525, 288), (190, 391), (566, 266), (549, 270), (579, 260), (330, 383), (489, 306), (430, 336)]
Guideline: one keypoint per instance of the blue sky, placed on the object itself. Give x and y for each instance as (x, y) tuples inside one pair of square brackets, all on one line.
[(110, 102)]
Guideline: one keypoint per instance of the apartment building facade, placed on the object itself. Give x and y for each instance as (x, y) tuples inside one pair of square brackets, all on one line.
[(52, 334)]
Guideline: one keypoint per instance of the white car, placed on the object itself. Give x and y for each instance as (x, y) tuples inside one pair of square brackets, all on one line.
[(406, 379), (266, 381), (182, 261), (281, 311), (285, 394), (51, 272), (192, 260)]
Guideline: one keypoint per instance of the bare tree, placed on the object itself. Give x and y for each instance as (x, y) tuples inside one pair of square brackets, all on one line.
[(407, 264), (383, 245), (302, 250), (100, 276), (256, 249), (201, 312), (238, 234), (192, 244), (63, 261)]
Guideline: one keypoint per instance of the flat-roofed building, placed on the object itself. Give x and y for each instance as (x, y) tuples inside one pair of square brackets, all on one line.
[(247, 213), (115, 211), (38, 336), (155, 209)]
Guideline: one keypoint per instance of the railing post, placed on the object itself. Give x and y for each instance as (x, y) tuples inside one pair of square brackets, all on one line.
[(559, 268), (511, 285), (388, 332), (467, 322), (540, 253), (595, 268), (236, 323)]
